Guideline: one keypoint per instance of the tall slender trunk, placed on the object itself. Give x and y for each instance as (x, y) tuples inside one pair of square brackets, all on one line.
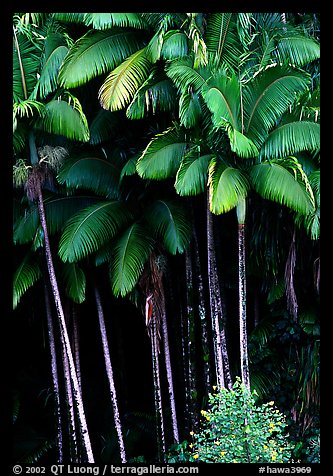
[(157, 388), (190, 341), (54, 371), (64, 333), (202, 316), (76, 344), (109, 372), (73, 446), (168, 367), (292, 304), (219, 338), (245, 375)]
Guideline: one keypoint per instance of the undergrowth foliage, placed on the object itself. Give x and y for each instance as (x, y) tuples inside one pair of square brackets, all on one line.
[(235, 429)]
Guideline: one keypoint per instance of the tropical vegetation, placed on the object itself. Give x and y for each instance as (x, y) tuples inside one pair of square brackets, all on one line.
[(166, 181)]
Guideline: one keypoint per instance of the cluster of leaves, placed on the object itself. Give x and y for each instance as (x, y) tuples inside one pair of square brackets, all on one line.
[(236, 429)]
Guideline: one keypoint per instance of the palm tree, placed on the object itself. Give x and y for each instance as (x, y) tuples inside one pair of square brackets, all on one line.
[(26, 89)]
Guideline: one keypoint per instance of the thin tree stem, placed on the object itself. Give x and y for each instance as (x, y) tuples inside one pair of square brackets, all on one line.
[(109, 372)]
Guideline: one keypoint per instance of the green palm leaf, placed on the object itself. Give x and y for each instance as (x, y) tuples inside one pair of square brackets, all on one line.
[(48, 80), (170, 223), (25, 276), (89, 229), (120, 86), (91, 173), (222, 97), (157, 93), (104, 126), (267, 97), (226, 186), (69, 17), (59, 117), (298, 50), (96, 53), (129, 256), (275, 182), (102, 21), (174, 45), (189, 109), (191, 178), (74, 281), (184, 76), (26, 65), (163, 155), (291, 138), (57, 211), (222, 40)]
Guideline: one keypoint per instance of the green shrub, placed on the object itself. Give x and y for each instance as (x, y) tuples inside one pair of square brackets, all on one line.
[(237, 430)]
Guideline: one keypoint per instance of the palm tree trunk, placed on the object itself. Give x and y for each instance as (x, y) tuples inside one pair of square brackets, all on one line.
[(157, 389), (109, 372), (167, 358), (54, 371), (219, 338), (64, 333), (245, 375), (76, 344), (190, 341), (292, 304), (202, 316)]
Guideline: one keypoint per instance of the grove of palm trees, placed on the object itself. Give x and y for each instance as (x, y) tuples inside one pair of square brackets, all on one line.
[(166, 187)]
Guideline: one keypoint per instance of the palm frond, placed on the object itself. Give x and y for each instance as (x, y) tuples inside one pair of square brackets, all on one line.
[(129, 256), (222, 97), (191, 178), (59, 117), (48, 80), (275, 182), (58, 209), (267, 97), (226, 186), (170, 223), (297, 49), (163, 155), (98, 52), (222, 40), (26, 65), (189, 109), (240, 144), (25, 276), (288, 139), (103, 21), (90, 228), (104, 125), (175, 45), (183, 74), (129, 168), (74, 281), (91, 173), (157, 93), (69, 17), (120, 86)]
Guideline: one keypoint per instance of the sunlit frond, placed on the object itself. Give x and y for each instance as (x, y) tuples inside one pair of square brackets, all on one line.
[(191, 178), (59, 117), (103, 21), (98, 52), (120, 86), (163, 155), (226, 186)]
